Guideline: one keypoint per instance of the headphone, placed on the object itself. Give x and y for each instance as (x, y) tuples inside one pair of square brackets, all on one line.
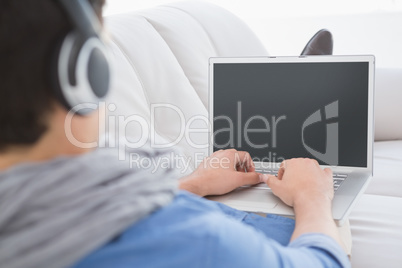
[(80, 66)]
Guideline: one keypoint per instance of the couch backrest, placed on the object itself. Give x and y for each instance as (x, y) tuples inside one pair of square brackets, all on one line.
[(161, 57)]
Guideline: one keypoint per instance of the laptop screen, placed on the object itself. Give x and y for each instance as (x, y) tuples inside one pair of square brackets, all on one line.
[(277, 111)]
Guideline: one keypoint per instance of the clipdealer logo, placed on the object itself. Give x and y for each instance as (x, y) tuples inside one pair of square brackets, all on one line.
[(331, 154)]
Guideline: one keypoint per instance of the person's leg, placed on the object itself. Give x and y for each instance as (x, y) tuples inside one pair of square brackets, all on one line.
[(274, 227)]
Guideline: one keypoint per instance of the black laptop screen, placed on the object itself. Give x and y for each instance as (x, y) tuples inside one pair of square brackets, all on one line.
[(278, 111)]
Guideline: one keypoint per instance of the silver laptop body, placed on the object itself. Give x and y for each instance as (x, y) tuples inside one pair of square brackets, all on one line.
[(278, 108)]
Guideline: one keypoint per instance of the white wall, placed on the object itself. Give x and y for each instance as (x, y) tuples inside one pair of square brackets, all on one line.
[(285, 26)]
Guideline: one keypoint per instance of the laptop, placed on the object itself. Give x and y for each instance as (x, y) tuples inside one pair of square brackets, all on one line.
[(278, 108)]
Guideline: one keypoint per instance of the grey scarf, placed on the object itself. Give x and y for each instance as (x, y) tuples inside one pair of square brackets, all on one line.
[(53, 214)]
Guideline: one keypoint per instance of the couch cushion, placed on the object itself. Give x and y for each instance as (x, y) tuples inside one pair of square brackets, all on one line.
[(188, 41), (229, 35), (376, 225), (376, 221), (387, 179)]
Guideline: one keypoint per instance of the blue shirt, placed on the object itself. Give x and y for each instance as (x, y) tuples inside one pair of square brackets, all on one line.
[(194, 232)]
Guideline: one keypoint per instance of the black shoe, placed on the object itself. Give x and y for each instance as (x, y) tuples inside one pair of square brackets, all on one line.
[(320, 44)]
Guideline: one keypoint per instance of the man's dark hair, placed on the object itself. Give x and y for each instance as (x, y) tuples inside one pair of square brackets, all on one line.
[(29, 33)]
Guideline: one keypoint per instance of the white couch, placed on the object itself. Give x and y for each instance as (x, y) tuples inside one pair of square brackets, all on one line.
[(161, 55)]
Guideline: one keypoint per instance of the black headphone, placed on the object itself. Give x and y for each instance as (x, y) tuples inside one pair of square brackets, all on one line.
[(81, 66)]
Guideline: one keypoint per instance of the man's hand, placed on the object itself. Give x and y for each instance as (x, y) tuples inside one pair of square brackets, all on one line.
[(220, 173), (301, 183), (300, 179)]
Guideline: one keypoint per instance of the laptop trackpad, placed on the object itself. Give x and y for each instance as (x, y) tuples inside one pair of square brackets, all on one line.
[(256, 198)]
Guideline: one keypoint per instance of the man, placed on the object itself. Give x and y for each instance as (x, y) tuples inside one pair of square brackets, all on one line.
[(66, 206)]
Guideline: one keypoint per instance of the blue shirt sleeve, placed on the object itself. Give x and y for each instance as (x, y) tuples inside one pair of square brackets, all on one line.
[(194, 232)]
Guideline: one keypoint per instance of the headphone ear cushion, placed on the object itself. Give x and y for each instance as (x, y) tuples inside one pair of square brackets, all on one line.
[(98, 72), (81, 72)]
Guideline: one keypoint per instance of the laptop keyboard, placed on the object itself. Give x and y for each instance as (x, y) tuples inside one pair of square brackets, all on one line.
[(338, 179)]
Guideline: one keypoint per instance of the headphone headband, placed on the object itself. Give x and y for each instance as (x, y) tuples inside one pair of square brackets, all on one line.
[(82, 15)]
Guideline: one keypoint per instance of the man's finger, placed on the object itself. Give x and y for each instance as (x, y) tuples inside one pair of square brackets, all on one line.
[(263, 177), (241, 168), (281, 171), (283, 164), (328, 171), (272, 182), (244, 159), (247, 178)]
